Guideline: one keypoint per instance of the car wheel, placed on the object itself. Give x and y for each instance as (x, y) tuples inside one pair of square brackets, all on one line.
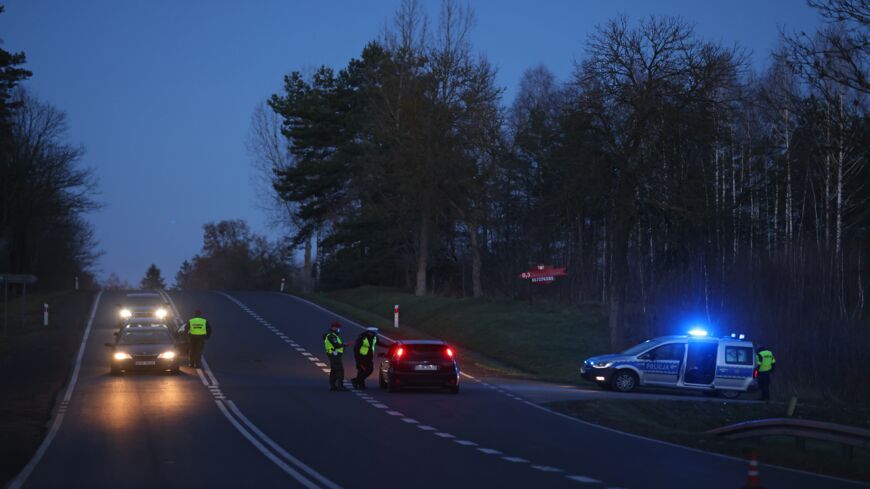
[(624, 381), (729, 394)]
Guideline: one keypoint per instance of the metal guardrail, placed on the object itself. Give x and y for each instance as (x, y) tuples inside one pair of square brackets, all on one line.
[(801, 429)]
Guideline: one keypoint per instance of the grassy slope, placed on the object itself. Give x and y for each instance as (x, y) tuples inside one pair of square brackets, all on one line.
[(546, 341)]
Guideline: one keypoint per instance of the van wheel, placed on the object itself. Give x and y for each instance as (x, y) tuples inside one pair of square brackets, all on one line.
[(624, 381), (729, 394)]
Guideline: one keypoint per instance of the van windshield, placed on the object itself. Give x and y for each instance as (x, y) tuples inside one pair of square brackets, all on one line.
[(641, 347)]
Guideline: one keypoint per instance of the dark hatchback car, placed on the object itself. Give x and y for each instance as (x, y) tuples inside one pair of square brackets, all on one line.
[(419, 363), (144, 348)]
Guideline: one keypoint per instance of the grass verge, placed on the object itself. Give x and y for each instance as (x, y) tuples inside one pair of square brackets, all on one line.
[(684, 423), (548, 342)]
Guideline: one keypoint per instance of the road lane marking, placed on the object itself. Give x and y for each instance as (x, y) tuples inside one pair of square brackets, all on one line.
[(280, 450), (467, 443), (259, 446), (444, 435), (490, 451), (58, 419), (325, 370), (583, 479), (516, 460), (426, 427), (320, 364), (394, 413), (410, 420), (546, 468), (380, 405)]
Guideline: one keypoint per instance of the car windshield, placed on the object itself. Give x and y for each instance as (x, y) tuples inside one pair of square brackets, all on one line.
[(640, 347), (147, 337), (142, 301)]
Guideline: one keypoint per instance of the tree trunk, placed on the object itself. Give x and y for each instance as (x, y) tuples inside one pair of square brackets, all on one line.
[(422, 256), (306, 266), (476, 288)]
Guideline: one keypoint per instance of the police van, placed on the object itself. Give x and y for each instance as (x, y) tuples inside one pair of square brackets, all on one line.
[(695, 361)]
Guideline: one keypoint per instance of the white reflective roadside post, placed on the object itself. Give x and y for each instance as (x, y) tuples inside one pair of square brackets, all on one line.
[(396, 316), (77, 282), (282, 285), (45, 314)]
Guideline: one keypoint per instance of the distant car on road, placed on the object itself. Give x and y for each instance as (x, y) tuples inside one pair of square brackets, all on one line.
[(419, 363), (724, 366), (143, 305), (144, 348)]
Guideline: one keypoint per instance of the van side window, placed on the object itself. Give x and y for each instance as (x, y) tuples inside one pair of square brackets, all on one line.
[(739, 355)]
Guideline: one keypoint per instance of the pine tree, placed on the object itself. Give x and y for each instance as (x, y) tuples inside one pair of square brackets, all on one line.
[(153, 279)]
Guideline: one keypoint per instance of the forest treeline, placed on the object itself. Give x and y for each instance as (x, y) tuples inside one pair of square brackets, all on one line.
[(675, 183), (44, 189)]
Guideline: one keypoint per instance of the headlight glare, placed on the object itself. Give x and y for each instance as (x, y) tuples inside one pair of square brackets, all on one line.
[(169, 355), (125, 313), (160, 313), (122, 356)]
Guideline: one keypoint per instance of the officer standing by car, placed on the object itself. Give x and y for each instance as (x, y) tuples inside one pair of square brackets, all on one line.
[(364, 354), (198, 331), (765, 364), (334, 349)]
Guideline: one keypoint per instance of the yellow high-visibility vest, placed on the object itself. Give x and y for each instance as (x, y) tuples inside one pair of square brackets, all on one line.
[(365, 347), (765, 360), (197, 326), (328, 341)]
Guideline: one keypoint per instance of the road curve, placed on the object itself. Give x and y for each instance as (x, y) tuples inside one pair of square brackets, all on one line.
[(261, 416)]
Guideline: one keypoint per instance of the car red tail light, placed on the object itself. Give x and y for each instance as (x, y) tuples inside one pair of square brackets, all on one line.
[(449, 352), (755, 374), (399, 352)]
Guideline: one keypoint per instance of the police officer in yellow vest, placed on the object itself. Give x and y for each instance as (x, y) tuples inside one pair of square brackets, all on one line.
[(334, 350), (364, 354), (198, 331), (765, 362)]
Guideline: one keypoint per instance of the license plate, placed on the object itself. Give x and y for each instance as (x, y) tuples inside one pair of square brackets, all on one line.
[(147, 362), (426, 367), (582, 370)]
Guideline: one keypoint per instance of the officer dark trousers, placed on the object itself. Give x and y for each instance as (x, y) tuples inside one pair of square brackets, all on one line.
[(364, 367), (336, 372), (197, 343), (764, 385)]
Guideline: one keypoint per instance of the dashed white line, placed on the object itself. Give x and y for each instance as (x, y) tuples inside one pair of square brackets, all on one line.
[(394, 413), (583, 479), (325, 370), (444, 435), (426, 427), (516, 460), (410, 420), (379, 405), (489, 451), (467, 443), (546, 468), (320, 364)]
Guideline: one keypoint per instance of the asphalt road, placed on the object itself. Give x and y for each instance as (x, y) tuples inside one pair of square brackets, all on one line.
[(260, 415)]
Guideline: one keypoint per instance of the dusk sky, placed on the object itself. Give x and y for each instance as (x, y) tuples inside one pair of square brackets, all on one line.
[(160, 93)]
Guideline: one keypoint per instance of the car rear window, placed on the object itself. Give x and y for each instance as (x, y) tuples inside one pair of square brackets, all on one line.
[(739, 355), (425, 352)]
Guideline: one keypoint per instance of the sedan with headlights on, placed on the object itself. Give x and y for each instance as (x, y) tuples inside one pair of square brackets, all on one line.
[(144, 348), (148, 305)]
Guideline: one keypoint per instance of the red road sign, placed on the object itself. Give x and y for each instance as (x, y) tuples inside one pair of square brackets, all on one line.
[(543, 274)]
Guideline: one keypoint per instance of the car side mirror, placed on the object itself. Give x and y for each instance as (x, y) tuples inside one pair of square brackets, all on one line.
[(110, 345)]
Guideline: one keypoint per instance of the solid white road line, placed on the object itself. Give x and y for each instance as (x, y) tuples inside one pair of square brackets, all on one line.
[(281, 451), (58, 419), (271, 456)]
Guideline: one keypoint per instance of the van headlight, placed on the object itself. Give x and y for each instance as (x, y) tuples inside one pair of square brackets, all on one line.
[(169, 355), (602, 364), (121, 356), (160, 313), (125, 313)]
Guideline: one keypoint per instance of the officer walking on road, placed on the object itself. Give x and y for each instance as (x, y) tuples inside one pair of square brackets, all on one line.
[(765, 364), (198, 331), (364, 354), (334, 349)]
